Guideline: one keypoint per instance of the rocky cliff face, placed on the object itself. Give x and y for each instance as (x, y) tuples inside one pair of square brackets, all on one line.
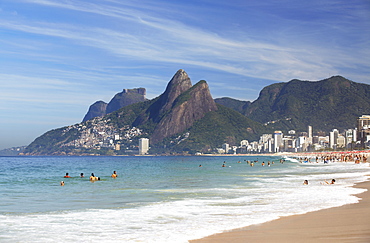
[(178, 107), (97, 109), (126, 97), (122, 99), (179, 83), (189, 107)]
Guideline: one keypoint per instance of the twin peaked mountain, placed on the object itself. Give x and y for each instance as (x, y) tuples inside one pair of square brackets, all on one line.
[(173, 112), (184, 118)]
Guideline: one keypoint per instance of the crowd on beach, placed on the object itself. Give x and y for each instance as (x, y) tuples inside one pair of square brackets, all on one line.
[(326, 158), (92, 178), (335, 157)]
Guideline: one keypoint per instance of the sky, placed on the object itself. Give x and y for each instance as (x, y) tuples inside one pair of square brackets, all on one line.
[(57, 57)]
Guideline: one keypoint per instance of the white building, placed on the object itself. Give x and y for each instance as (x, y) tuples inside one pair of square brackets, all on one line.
[(278, 141), (244, 143), (143, 146), (351, 137), (333, 137), (226, 147), (309, 135), (300, 144)]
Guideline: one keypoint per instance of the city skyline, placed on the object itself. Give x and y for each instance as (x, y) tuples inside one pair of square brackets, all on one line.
[(58, 57)]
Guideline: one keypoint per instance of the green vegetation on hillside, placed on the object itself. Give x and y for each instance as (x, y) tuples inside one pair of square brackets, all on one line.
[(217, 127), (331, 103)]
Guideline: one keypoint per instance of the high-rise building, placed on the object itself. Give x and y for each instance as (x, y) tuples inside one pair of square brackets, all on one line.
[(362, 122), (226, 147), (143, 146), (363, 129), (351, 137), (278, 141), (309, 134), (341, 142), (333, 137)]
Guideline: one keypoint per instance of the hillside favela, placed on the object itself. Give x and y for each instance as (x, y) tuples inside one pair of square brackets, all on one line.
[(186, 120)]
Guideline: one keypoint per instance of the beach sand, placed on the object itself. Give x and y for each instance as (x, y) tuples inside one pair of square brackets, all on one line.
[(348, 223)]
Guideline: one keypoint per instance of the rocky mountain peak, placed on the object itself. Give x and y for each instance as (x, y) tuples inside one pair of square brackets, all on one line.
[(179, 83), (97, 109), (122, 99), (190, 106)]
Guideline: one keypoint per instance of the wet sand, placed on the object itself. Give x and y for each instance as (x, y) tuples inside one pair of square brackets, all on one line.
[(348, 223)]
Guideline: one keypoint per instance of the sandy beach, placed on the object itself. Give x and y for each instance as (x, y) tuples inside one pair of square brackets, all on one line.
[(348, 223)]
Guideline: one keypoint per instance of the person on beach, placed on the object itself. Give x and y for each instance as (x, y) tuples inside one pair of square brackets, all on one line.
[(114, 175), (305, 182), (67, 176), (62, 183)]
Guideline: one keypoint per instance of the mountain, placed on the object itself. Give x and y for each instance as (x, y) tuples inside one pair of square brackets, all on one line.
[(178, 107), (122, 99), (331, 103), (237, 105), (184, 119), (99, 108), (14, 151)]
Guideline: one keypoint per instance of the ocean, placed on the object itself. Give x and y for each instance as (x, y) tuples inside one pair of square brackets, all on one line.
[(161, 199)]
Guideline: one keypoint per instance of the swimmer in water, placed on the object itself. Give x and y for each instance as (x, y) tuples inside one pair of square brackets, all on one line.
[(305, 182), (62, 183), (67, 176), (93, 177), (114, 175), (330, 183), (82, 175)]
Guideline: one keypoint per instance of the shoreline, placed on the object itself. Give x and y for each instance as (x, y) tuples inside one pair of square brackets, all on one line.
[(347, 223)]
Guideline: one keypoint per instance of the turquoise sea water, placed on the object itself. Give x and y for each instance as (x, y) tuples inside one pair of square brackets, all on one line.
[(160, 199)]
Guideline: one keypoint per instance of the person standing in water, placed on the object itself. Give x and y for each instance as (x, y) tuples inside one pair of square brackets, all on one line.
[(114, 175)]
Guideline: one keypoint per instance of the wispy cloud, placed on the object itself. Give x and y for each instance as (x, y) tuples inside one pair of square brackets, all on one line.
[(145, 36)]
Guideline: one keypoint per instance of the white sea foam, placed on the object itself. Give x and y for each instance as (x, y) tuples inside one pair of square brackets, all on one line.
[(194, 212)]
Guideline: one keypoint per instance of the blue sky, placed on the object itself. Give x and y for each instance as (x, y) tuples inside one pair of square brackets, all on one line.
[(57, 57)]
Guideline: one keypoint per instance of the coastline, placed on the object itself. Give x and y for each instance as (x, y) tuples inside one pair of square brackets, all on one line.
[(347, 223)]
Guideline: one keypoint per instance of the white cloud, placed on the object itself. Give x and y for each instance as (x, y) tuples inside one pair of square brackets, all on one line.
[(144, 36)]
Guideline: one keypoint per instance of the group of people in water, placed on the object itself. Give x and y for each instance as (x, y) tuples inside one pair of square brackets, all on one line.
[(252, 163), (92, 178), (305, 182)]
